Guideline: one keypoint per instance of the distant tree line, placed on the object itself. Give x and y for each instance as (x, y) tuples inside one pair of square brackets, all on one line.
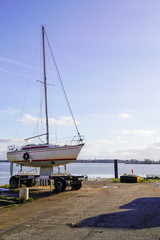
[(145, 161), (131, 161), (95, 161)]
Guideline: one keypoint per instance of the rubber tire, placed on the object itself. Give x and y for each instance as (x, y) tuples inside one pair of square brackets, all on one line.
[(30, 183), (77, 186), (13, 182), (60, 185)]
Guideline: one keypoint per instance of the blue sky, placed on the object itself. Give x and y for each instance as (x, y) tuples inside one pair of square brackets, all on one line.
[(108, 54)]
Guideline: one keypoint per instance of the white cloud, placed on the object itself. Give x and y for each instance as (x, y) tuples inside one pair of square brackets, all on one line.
[(27, 118), (11, 141), (101, 143), (124, 115), (63, 121), (5, 140), (94, 150), (139, 133), (150, 152), (117, 139), (9, 111), (122, 131)]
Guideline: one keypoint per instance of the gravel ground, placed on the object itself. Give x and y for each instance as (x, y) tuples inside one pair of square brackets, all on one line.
[(99, 210)]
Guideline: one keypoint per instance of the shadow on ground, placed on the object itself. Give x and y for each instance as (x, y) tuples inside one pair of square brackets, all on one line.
[(140, 213), (7, 195)]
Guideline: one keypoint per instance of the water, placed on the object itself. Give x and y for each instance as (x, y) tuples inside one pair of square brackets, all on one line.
[(106, 170), (92, 170), (5, 171)]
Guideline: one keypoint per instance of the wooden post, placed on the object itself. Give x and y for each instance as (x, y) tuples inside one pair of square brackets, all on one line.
[(116, 168)]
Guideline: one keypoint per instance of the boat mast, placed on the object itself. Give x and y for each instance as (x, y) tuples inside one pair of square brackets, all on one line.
[(45, 85)]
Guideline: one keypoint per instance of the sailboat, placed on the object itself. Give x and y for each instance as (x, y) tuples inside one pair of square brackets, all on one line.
[(46, 155)]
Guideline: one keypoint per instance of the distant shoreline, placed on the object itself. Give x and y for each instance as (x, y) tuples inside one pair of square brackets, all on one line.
[(119, 161), (146, 161)]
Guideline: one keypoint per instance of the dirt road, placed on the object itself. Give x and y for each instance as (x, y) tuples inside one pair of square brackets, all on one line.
[(100, 210)]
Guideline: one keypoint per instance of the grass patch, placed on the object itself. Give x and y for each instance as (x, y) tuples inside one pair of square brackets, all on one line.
[(14, 202), (150, 180), (5, 186), (11, 205), (9, 198), (4, 198), (115, 180), (25, 201)]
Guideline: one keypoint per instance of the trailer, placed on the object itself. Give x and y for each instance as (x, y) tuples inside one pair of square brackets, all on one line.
[(29, 180), (60, 181)]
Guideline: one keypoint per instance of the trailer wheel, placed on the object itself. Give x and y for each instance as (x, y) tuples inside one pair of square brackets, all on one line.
[(77, 186), (30, 183), (60, 185), (13, 182)]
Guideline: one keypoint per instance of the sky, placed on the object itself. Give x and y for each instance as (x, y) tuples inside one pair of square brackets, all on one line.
[(108, 55)]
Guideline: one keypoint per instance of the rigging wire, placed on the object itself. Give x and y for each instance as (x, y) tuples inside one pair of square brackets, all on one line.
[(62, 86), (27, 89), (23, 104), (39, 125)]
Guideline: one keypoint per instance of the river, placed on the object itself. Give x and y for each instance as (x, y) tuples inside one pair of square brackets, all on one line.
[(92, 170)]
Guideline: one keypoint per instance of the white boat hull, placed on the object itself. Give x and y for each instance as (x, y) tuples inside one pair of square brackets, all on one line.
[(45, 157)]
